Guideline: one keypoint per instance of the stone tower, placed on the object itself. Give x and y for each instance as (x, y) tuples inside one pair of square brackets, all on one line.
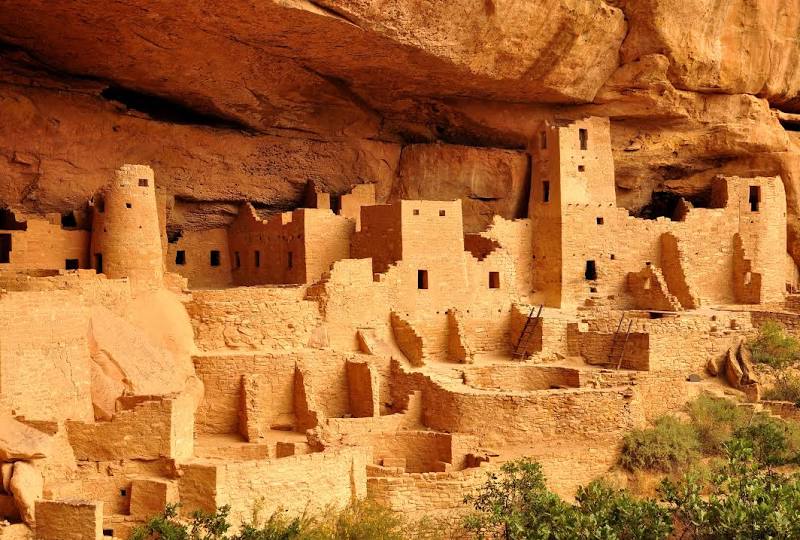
[(126, 241)]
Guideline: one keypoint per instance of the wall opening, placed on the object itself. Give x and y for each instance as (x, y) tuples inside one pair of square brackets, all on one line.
[(581, 168), (101, 206), (591, 271), (257, 258), (128, 205), (180, 257), (600, 221), (545, 191), (8, 221), (416, 211), (583, 135), (68, 221), (237, 261), (422, 279), (5, 248), (442, 213), (71, 264), (214, 257), (143, 182), (494, 280), (755, 198), (543, 139), (98, 263), (290, 260), (108, 532)]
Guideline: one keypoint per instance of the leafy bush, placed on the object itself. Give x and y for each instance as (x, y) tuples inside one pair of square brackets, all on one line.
[(517, 504), (669, 445), (774, 347), (745, 502), (785, 388), (715, 420), (359, 521)]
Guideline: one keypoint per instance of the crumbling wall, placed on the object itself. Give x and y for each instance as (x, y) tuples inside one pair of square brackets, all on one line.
[(46, 245)]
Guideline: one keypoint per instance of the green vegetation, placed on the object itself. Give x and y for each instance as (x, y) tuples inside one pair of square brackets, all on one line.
[(669, 445), (359, 521), (775, 348), (742, 501), (517, 505)]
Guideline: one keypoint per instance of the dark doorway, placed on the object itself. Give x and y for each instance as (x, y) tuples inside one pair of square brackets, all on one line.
[(494, 280), (180, 257), (422, 279), (5, 248), (755, 198), (71, 264), (289, 260), (214, 257), (545, 191), (257, 259), (68, 221), (336, 203), (98, 263), (583, 134), (591, 271)]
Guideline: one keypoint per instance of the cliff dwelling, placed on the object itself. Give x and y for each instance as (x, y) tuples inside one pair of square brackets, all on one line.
[(283, 281)]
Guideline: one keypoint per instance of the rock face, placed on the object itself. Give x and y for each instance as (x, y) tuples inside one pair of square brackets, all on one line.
[(249, 101)]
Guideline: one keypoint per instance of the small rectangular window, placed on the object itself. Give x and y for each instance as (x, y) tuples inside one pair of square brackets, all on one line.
[(755, 198), (494, 280), (71, 264), (416, 211), (290, 260), (545, 191), (600, 221), (214, 257), (123, 492), (143, 182), (591, 271), (108, 532), (257, 258), (543, 139), (237, 260), (180, 257), (441, 212), (101, 206), (98, 263), (581, 168), (583, 135), (422, 279), (128, 205)]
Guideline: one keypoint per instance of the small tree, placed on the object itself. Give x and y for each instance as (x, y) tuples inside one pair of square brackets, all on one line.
[(780, 351)]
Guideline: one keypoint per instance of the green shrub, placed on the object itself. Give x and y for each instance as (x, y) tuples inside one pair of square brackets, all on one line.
[(517, 505), (715, 420), (669, 445), (785, 388), (774, 347), (745, 502)]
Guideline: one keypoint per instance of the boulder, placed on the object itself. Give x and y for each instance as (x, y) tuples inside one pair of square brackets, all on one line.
[(26, 486), (19, 441)]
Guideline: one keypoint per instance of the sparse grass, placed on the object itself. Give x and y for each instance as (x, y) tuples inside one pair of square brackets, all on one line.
[(669, 445), (785, 388), (774, 347)]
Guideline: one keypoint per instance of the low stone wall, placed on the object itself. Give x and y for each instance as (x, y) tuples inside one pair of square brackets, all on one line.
[(522, 377), (295, 484)]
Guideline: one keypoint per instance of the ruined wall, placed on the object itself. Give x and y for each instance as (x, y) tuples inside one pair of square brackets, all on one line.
[(45, 245), (196, 262), (380, 237)]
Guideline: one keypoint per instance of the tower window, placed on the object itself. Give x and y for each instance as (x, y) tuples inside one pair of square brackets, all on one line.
[(422, 279), (123, 492), (143, 182), (5, 248), (180, 257), (416, 211), (545, 191), (257, 258), (581, 168), (442, 212), (600, 221), (290, 260), (214, 257), (128, 205), (237, 260), (591, 271), (71, 264), (755, 198), (494, 280), (543, 139), (583, 135)]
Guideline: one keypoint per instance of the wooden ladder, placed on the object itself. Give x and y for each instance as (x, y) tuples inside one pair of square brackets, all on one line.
[(619, 342), (531, 324)]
